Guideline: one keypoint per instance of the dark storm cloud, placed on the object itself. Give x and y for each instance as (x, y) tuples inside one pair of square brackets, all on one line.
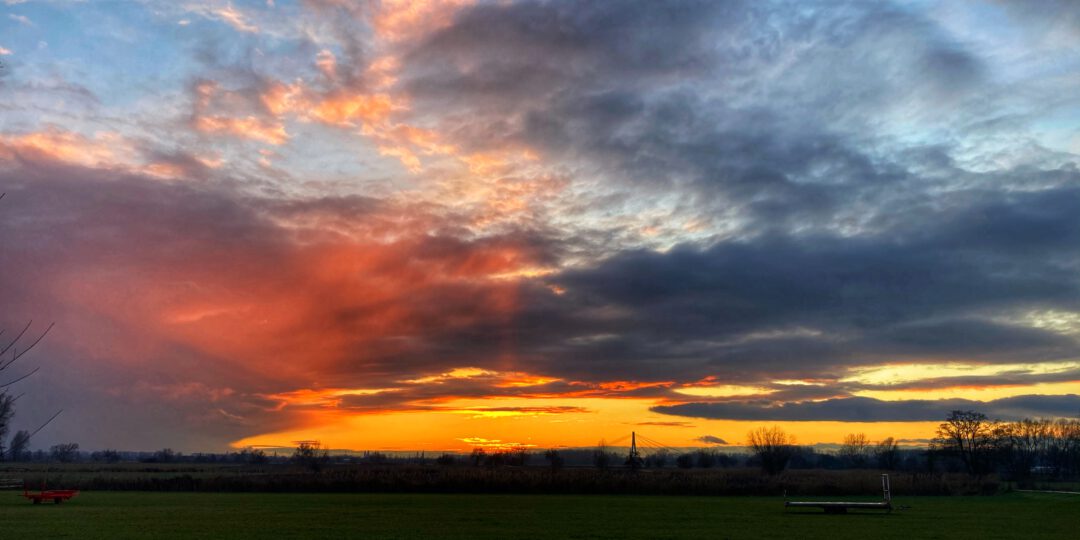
[(858, 409), (659, 95), (938, 289), (710, 439)]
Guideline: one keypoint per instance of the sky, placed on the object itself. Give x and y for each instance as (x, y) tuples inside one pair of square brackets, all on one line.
[(446, 224)]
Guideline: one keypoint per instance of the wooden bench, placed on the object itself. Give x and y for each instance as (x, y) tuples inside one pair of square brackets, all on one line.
[(841, 507)]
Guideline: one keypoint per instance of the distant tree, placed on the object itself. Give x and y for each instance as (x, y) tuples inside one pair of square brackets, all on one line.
[(887, 454), (165, 455), (377, 458), (445, 460), (601, 457), (497, 459), (554, 459), (253, 456), (478, 456), (724, 460), (855, 450), (64, 453), (685, 461), (969, 436), (7, 410), (311, 455), (110, 456), (1063, 452), (519, 457), (657, 460), (773, 447), (705, 459), (19, 449), (1026, 446)]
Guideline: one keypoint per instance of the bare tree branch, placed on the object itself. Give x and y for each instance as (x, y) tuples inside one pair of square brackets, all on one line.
[(18, 354), (17, 338), (9, 383)]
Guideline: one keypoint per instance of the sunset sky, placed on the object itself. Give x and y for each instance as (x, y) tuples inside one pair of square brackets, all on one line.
[(432, 225)]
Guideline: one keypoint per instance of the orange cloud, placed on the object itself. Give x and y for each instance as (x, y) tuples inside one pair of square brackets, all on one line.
[(259, 306), (224, 13), (624, 386), (105, 150), (210, 102), (402, 19), (248, 127), (235, 18), (350, 109), (102, 150)]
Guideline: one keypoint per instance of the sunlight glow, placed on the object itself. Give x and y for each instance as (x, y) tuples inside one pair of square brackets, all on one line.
[(903, 373)]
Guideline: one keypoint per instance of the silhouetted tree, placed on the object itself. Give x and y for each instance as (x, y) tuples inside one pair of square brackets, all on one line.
[(554, 459), (19, 449), (969, 436), (165, 455), (311, 455), (1021, 445), (445, 460), (253, 456), (657, 460), (1063, 452), (7, 410), (478, 456), (377, 458), (498, 458), (773, 448), (855, 450), (64, 453), (887, 454), (602, 459), (519, 457), (685, 461), (724, 460), (705, 459)]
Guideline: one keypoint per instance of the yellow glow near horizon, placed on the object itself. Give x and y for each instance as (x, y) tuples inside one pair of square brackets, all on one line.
[(903, 373), (1062, 322), (583, 423), (456, 373), (797, 382), (978, 393), (724, 390)]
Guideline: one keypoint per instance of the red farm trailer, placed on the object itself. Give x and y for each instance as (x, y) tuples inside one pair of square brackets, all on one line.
[(57, 496)]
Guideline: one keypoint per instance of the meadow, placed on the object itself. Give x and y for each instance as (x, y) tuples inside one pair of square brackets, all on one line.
[(281, 478), (111, 515)]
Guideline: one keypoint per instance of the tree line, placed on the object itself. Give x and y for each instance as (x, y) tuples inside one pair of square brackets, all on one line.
[(1017, 450)]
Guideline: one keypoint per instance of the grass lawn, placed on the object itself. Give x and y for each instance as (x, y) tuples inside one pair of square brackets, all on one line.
[(111, 515)]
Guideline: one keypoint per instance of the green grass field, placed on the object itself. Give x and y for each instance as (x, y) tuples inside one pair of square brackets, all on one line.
[(111, 515)]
